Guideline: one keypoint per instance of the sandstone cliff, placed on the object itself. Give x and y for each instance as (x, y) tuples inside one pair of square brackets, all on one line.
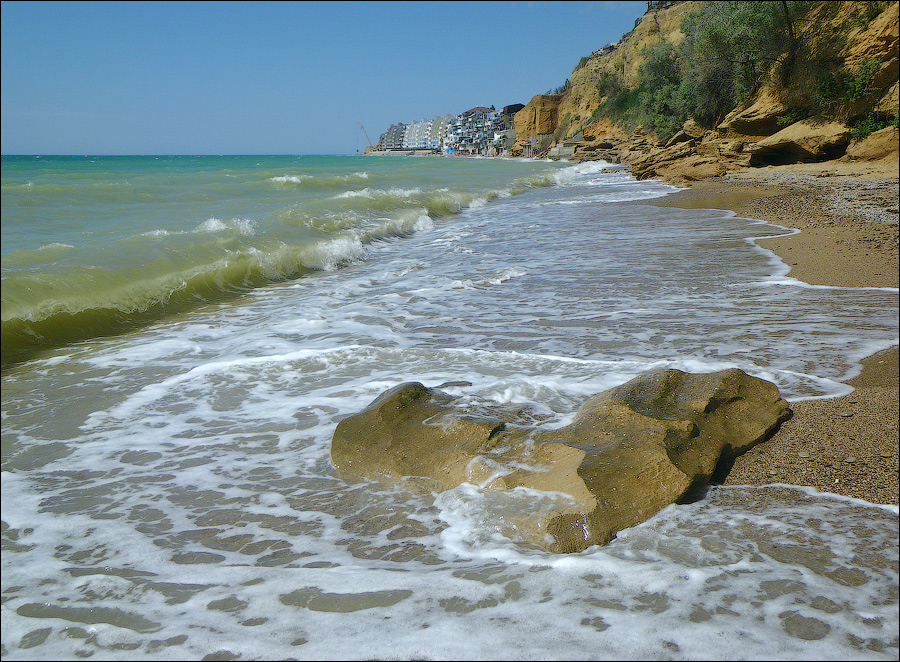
[(759, 131), (582, 98)]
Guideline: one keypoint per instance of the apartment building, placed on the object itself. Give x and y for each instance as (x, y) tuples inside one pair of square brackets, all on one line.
[(477, 131), (418, 135), (438, 135), (392, 139)]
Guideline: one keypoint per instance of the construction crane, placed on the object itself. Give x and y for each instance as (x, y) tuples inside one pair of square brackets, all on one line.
[(366, 135)]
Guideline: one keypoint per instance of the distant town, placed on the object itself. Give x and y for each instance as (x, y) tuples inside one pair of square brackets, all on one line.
[(482, 131), (479, 131)]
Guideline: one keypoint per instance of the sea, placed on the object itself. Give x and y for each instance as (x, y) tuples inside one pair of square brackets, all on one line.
[(181, 335)]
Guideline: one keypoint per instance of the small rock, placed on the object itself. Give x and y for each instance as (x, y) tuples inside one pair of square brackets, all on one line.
[(850, 460), (802, 454), (846, 414)]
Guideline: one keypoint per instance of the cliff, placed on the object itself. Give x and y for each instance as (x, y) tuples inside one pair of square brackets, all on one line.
[(777, 124), (577, 105)]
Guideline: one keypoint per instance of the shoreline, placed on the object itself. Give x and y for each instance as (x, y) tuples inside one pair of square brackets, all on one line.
[(847, 217)]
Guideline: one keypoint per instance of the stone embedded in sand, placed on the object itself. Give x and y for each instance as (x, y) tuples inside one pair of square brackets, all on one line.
[(628, 453)]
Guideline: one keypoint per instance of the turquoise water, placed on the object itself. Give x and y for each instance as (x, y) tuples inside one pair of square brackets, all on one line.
[(182, 335), (96, 245)]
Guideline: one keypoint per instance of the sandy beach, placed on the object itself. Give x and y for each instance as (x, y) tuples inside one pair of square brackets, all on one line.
[(847, 215)]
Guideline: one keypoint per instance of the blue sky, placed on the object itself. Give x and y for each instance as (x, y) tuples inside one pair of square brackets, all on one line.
[(274, 77)]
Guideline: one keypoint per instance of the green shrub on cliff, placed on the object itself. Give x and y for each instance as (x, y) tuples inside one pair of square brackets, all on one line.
[(870, 124), (662, 106), (836, 87), (871, 9), (654, 103), (728, 49), (618, 102)]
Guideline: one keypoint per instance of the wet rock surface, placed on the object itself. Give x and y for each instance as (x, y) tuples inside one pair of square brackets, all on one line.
[(629, 452)]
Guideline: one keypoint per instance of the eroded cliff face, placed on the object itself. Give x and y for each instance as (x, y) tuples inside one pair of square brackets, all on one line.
[(833, 32), (582, 98), (538, 117)]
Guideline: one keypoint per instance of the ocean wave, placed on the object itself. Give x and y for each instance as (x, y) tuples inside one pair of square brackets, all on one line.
[(212, 225), (495, 279), (437, 202), (373, 194), (54, 246), (99, 289), (243, 226), (29, 193), (49, 309), (290, 179), (578, 172), (319, 181)]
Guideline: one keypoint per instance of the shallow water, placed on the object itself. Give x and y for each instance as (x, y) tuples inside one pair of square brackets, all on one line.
[(168, 494)]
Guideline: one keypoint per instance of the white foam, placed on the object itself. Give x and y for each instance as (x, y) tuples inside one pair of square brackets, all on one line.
[(211, 225), (290, 179), (54, 246)]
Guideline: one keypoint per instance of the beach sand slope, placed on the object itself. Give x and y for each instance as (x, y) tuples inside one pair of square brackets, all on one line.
[(848, 217)]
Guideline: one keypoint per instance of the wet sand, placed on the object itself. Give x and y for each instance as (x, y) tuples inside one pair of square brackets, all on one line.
[(848, 217)]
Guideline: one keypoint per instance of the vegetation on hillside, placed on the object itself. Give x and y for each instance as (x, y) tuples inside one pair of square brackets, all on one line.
[(730, 49)]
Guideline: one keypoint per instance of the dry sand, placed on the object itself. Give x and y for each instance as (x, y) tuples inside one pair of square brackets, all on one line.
[(848, 217)]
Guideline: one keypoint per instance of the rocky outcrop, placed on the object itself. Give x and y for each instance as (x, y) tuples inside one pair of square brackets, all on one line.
[(539, 117), (806, 141), (835, 36), (628, 453), (622, 60), (877, 146), (759, 118), (679, 162)]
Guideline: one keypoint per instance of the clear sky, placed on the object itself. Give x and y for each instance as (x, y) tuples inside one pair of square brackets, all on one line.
[(275, 77)]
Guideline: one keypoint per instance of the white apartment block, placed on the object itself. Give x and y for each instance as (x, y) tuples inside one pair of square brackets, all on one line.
[(418, 135)]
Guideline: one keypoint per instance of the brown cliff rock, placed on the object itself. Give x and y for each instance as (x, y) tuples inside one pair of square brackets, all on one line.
[(684, 160), (836, 37), (881, 144), (760, 118), (582, 98), (628, 453), (889, 103), (538, 117), (806, 141)]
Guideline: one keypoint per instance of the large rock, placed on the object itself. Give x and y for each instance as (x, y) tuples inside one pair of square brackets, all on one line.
[(806, 141), (680, 162), (883, 144), (538, 117), (628, 453), (759, 118), (889, 104)]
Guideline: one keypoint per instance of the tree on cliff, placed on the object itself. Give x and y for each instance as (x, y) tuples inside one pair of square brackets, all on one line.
[(729, 49)]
